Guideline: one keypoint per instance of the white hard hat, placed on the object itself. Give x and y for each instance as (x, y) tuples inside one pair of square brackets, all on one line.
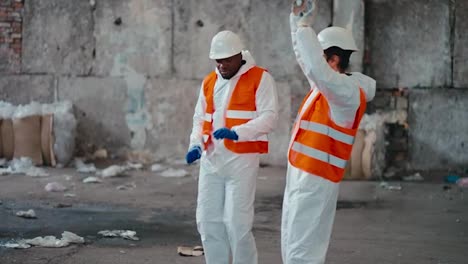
[(337, 37), (225, 44)]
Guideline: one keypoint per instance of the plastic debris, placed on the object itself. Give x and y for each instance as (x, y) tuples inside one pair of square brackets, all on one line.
[(30, 214), (26, 166), (69, 195), (72, 238), (126, 234), (127, 186), (83, 167), (92, 180), (451, 178), (64, 131), (157, 167), (185, 251), (55, 187), (17, 245), (387, 186), (134, 166), (100, 154), (113, 171), (463, 182), (6, 171), (3, 162), (174, 173), (52, 242), (22, 111), (415, 177), (68, 177)]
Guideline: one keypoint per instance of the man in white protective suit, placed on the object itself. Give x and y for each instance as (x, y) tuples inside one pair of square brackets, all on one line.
[(322, 136), (236, 109)]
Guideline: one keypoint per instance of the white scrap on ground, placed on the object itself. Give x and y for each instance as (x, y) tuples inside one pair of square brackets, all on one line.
[(134, 166), (83, 167), (174, 173), (52, 242), (113, 171), (18, 245), (25, 165), (126, 234), (55, 187), (92, 180), (127, 186), (387, 186), (69, 195), (3, 162), (415, 177), (30, 214), (157, 167)]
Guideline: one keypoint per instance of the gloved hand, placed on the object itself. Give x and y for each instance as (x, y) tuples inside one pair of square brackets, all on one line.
[(225, 133), (304, 12), (193, 154)]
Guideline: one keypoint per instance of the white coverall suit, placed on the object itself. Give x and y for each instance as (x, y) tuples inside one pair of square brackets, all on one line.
[(227, 182), (309, 203)]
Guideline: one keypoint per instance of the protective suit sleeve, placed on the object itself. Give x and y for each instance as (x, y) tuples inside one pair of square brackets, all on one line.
[(197, 129), (336, 87), (267, 111)]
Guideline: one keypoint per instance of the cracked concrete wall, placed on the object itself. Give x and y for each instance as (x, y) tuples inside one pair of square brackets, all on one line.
[(133, 68)]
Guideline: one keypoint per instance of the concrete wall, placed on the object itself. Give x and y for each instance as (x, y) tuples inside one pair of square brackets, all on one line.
[(133, 68)]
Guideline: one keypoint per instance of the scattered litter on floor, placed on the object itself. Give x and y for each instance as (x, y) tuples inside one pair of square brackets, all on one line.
[(30, 214), (113, 171), (3, 162), (100, 154), (68, 177), (83, 167), (127, 186), (69, 195), (174, 173), (387, 186), (17, 245), (26, 166), (185, 251), (126, 234), (6, 171), (52, 242), (134, 166), (92, 180), (415, 177), (451, 178), (55, 187), (157, 167)]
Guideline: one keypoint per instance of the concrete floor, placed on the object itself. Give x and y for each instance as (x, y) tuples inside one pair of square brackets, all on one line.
[(422, 223)]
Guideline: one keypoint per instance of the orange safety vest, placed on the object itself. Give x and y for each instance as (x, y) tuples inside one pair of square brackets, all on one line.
[(320, 146), (241, 109)]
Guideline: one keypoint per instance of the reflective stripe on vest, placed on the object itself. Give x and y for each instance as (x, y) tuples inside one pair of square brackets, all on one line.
[(320, 146), (240, 110)]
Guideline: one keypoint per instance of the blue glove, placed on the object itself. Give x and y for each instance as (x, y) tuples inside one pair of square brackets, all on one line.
[(225, 133), (193, 154)]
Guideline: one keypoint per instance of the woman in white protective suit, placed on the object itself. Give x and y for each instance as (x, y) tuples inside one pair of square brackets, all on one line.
[(322, 135), (236, 109)]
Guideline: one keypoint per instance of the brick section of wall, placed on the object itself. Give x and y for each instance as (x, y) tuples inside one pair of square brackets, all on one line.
[(396, 133), (11, 22)]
